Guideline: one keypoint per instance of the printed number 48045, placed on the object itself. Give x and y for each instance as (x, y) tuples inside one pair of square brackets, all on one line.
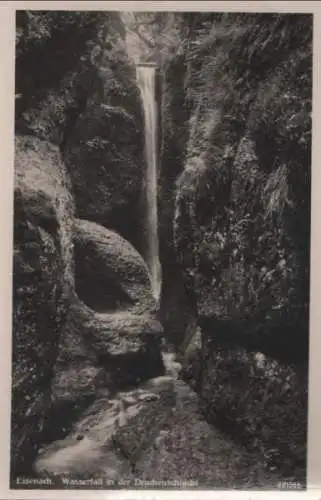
[(290, 485)]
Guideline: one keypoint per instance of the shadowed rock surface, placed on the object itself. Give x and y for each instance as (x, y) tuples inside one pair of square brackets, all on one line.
[(237, 127), (106, 166), (43, 278), (151, 437), (126, 345), (107, 264)]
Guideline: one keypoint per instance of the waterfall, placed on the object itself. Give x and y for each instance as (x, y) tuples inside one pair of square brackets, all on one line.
[(146, 77)]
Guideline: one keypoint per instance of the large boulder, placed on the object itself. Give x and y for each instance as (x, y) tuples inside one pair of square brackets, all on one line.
[(43, 280), (110, 274), (125, 345), (241, 224), (111, 338)]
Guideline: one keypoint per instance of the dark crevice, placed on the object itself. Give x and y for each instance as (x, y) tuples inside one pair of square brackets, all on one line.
[(100, 293)]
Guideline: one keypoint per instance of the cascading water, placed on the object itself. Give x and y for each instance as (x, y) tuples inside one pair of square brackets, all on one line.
[(146, 77)]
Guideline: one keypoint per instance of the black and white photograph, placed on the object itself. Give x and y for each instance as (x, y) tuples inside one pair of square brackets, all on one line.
[(161, 250)]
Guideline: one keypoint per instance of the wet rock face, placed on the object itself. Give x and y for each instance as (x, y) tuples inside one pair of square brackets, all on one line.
[(43, 278), (111, 434), (242, 213), (241, 216), (246, 260)]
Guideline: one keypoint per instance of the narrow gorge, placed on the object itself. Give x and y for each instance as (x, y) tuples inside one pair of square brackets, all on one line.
[(146, 79), (161, 249)]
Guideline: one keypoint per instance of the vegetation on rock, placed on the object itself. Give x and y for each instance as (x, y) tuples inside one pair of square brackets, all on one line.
[(236, 162)]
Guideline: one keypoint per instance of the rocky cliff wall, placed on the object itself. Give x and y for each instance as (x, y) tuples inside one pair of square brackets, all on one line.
[(84, 95), (84, 315), (242, 207), (43, 282)]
